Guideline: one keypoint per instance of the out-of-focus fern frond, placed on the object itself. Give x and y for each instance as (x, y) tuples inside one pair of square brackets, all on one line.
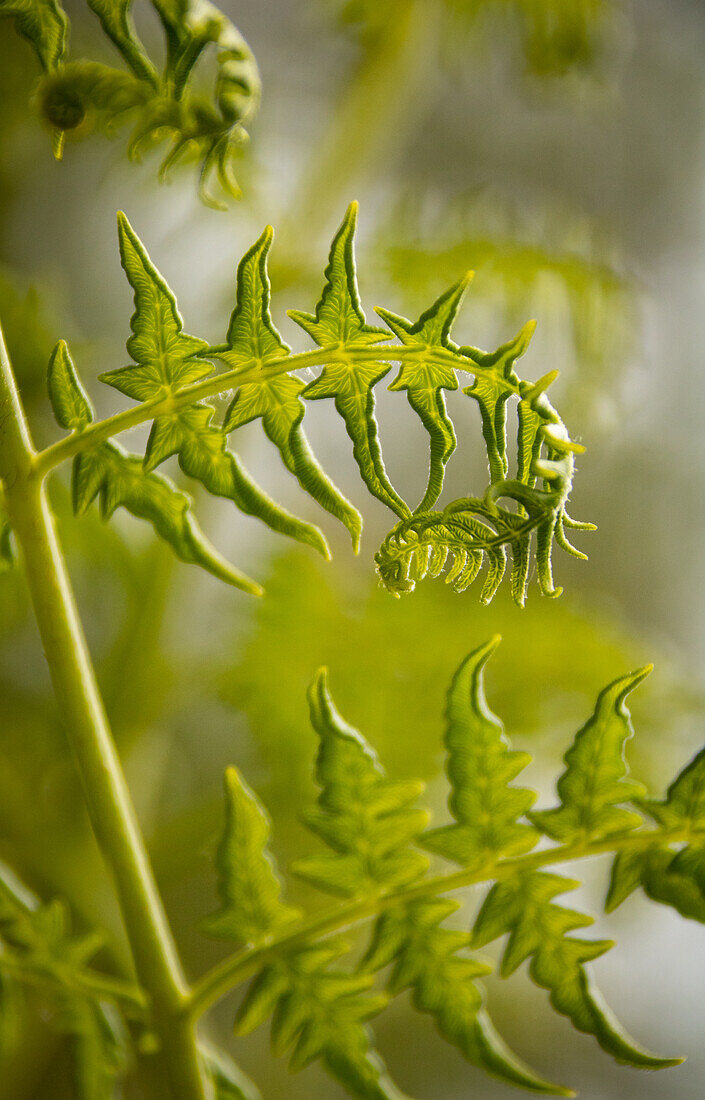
[(76, 96)]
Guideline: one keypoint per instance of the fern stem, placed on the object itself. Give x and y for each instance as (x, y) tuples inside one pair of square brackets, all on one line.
[(101, 430), (237, 968), (107, 795)]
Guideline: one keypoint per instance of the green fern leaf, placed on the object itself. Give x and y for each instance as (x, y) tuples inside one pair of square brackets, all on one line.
[(523, 907), (320, 1011), (366, 819), (203, 454), (71, 405), (425, 379), (165, 355), (493, 386), (653, 871), (445, 985), (595, 782), (119, 479), (339, 323), (252, 336), (248, 884), (39, 937), (480, 768), (44, 24), (117, 23), (672, 873), (274, 398)]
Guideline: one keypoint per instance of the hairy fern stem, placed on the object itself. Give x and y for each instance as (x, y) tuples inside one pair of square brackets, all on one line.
[(107, 796)]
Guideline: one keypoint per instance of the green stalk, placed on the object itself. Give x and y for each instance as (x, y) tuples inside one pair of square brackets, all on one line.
[(252, 371), (107, 796)]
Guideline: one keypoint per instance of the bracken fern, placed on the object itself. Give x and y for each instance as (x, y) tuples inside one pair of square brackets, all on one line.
[(173, 375)]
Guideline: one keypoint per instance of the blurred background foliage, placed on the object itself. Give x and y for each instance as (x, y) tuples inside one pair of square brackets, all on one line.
[(554, 146)]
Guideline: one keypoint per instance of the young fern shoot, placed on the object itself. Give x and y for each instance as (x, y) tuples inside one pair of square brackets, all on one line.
[(173, 375)]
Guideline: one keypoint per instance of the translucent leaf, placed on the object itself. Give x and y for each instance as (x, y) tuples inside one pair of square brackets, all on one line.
[(253, 341), (491, 392), (319, 1012), (595, 782), (203, 454), (163, 352), (71, 405), (119, 479), (339, 321), (44, 24), (480, 767), (248, 884), (366, 819), (538, 930), (426, 378), (444, 983)]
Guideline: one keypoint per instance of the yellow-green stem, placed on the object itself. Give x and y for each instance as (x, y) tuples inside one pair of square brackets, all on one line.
[(251, 371), (107, 796)]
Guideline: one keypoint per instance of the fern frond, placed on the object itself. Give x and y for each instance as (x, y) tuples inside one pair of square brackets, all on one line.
[(595, 784), (173, 377), (444, 984), (248, 883), (368, 821), (672, 874), (318, 1006), (37, 945), (338, 323), (276, 398), (164, 106), (538, 930), (480, 766)]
